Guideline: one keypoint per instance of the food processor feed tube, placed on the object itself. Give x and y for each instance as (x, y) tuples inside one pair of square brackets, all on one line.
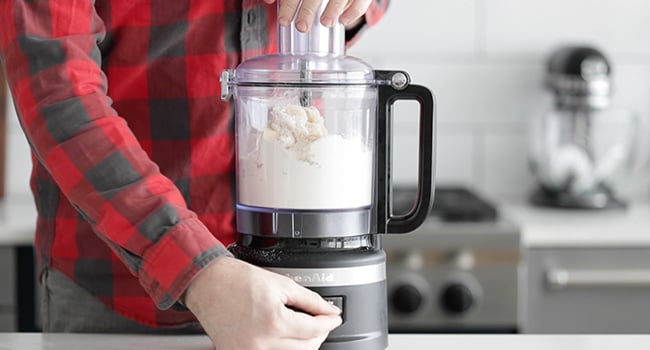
[(313, 155)]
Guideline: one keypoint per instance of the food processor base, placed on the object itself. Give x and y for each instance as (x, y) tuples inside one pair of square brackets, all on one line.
[(352, 279), (365, 319), (601, 197)]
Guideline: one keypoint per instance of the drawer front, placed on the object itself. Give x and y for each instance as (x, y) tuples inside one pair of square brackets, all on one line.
[(7, 322), (7, 273), (588, 290)]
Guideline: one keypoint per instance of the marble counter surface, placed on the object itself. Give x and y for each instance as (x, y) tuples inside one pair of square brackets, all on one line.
[(546, 227), (35, 341)]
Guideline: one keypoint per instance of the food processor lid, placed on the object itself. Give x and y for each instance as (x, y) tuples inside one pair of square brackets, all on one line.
[(315, 57), (303, 69)]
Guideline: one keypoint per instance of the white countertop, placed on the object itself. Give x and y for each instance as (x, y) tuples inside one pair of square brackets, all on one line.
[(17, 221), (546, 227), (36, 341)]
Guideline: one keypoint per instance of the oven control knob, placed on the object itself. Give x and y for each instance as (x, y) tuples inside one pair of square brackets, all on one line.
[(406, 299), (456, 298)]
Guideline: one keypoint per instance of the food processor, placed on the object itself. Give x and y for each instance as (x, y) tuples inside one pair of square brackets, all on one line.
[(582, 148), (313, 172)]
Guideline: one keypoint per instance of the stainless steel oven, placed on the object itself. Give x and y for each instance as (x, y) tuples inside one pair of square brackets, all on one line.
[(462, 271)]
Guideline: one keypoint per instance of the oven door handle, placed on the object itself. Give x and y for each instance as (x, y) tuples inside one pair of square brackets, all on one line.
[(560, 278)]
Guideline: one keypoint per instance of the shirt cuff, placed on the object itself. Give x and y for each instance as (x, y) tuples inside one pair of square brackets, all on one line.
[(371, 17), (352, 34), (172, 264)]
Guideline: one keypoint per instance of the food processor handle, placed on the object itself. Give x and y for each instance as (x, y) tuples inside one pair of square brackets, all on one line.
[(398, 88)]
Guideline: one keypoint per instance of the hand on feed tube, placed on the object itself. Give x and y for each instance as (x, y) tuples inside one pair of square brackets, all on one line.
[(348, 12)]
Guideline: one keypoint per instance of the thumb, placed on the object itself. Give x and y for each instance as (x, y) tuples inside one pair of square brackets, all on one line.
[(310, 302)]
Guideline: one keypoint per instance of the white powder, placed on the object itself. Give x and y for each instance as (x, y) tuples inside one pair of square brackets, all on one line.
[(297, 126), (298, 166)]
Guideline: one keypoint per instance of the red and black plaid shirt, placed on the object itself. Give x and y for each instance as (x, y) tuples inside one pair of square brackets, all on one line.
[(132, 146)]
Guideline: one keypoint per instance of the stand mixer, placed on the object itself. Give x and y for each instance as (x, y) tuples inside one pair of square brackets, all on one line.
[(313, 158), (582, 147)]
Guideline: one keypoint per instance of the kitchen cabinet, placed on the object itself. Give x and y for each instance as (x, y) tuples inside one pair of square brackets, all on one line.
[(18, 300), (7, 295), (18, 303), (587, 271), (588, 290)]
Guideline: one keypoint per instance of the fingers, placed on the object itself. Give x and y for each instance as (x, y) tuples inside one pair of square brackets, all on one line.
[(287, 11), (306, 14), (355, 10), (344, 11), (304, 326), (333, 12), (308, 301)]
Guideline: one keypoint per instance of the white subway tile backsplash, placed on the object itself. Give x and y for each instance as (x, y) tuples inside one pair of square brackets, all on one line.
[(455, 159), (479, 92), (19, 165), (535, 26), (416, 27), (631, 84), (485, 62), (18, 159), (632, 92), (405, 156), (505, 163)]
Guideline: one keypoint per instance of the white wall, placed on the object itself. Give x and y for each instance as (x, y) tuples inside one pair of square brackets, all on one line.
[(484, 60)]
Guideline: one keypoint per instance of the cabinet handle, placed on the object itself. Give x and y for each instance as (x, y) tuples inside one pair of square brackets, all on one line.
[(609, 278)]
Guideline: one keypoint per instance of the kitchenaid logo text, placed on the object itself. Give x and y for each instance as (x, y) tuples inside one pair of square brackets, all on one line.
[(312, 277)]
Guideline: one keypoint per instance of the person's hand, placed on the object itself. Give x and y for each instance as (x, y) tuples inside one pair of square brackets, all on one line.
[(347, 12), (241, 306)]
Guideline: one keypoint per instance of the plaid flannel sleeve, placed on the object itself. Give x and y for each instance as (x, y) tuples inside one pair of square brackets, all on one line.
[(374, 13), (53, 65)]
